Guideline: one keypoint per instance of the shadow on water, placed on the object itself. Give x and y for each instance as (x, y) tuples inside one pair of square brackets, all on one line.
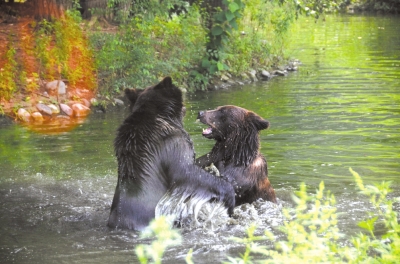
[(340, 110)]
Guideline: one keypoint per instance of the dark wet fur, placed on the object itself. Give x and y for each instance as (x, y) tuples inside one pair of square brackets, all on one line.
[(236, 153), (155, 154)]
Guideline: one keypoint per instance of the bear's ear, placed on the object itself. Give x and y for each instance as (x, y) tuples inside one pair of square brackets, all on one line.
[(164, 84), (257, 121), (132, 95)]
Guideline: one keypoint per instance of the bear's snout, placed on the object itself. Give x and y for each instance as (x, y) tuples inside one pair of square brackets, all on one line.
[(200, 114)]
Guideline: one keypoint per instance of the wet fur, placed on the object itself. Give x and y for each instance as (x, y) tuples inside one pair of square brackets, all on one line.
[(155, 156), (236, 153)]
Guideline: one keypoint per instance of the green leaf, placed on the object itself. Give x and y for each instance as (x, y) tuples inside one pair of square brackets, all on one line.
[(229, 15), (220, 66), (368, 224), (220, 17), (234, 25), (213, 69), (205, 63), (217, 30), (233, 7)]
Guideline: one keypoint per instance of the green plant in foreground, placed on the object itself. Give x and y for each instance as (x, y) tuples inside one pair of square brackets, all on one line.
[(310, 228), (165, 237), (368, 248), (311, 233)]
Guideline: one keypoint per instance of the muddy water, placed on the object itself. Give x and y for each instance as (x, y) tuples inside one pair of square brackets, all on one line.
[(340, 110)]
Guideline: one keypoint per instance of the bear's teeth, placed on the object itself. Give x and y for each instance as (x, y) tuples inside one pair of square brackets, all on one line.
[(197, 120), (207, 131)]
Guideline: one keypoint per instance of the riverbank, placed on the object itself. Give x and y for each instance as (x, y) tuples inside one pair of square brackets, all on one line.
[(49, 75), (55, 112)]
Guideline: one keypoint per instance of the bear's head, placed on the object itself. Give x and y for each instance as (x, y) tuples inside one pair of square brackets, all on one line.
[(236, 131), (229, 120), (164, 99)]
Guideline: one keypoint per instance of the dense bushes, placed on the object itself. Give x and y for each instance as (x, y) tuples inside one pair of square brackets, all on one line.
[(44, 51), (144, 50), (247, 34), (63, 52), (387, 6)]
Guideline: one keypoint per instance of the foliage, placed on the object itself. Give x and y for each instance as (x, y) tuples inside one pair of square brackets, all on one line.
[(8, 74), (224, 22), (312, 234), (165, 237), (63, 50), (195, 42), (368, 248), (144, 50), (122, 11), (261, 35), (389, 6), (317, 7)]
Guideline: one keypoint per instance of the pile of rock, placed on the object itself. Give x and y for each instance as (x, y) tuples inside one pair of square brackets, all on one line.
[(42, 111), (47, 111), (250, 76)]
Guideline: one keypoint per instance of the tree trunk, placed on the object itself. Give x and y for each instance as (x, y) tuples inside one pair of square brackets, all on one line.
[(48, 9)]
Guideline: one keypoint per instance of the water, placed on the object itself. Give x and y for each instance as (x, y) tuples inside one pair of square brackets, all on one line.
[(340, 110)]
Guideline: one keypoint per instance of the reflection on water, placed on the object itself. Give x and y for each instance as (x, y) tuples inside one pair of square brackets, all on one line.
[(340, 110)]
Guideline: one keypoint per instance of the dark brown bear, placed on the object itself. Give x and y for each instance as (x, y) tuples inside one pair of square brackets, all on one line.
[(155, 155), (236, 153)]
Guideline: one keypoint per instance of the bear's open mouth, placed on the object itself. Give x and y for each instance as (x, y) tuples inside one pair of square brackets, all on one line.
[(207, 131)]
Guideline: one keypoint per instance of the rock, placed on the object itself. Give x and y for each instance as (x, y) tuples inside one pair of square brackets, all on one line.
[(94, 101), (37, 116), (85, 102), (63, 117), (279, 73), (52, 87), (294, 68), (80, 110), (252, 74), (66, 109), (24, 115), (71, 103), (118, 102), (54, 109), (224, 78), (44, 109), (244, 76), (265, 75)]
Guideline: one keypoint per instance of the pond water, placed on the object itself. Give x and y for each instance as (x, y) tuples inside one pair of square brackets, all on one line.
[(340, 110)]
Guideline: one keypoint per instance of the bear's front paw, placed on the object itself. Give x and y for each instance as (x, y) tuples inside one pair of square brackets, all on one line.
[(212, 170)]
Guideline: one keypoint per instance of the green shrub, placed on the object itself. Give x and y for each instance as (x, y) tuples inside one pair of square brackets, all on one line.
[(261, 35), (165, 237), (63, 51), (8, 74), (144, 50)]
